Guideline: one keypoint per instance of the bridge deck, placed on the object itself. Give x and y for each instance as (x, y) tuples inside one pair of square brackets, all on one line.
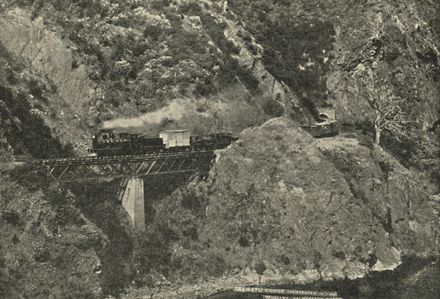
[(107, 159), (81, 168)]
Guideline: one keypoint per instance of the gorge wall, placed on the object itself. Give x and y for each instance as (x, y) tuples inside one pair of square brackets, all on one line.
[(307, 209)]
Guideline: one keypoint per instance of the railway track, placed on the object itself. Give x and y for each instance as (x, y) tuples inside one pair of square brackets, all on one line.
[(92, 167), (94, 160)]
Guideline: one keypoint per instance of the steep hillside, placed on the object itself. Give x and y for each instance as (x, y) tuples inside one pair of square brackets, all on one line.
[(48, 248), (299, 208), (119, 59), (327, 51), (322, 46), (29, 119), (264, 202), (51, 243), (307, 210)]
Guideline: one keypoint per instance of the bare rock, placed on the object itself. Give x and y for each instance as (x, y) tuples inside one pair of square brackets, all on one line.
[(279, 197)]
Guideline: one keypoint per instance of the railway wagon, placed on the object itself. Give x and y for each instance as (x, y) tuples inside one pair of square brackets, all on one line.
[(175, 138), (108, 142)]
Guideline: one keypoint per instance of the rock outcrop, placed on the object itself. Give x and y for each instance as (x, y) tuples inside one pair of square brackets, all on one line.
[(328, 46), (60, 94), (401, 38), (46, 53), (48, 248), (94, 81), (273, 91), (398, 197), (302, 209), (308, 210)]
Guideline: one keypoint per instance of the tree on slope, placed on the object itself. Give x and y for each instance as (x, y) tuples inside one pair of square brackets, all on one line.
[(386, 108), (260, 267)]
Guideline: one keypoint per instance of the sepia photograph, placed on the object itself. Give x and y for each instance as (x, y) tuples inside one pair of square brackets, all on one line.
[(219, 149)]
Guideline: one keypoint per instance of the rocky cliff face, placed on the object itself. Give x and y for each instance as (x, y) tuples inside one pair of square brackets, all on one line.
[(112, 60), (401, 38), (327, 51), (47, 62), (48, 248), (47, 54), (335, 41), (307, 210), (398, 198)]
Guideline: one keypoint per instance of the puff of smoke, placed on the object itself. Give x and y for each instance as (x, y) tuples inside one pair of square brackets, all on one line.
[(176, 110)]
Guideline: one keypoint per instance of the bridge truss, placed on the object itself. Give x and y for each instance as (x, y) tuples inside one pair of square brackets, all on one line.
[(87, 168)]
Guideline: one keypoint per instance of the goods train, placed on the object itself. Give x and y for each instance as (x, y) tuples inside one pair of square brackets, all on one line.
[(108, 142)]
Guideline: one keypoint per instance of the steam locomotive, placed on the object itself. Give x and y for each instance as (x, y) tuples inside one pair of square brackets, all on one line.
[(108, 142)]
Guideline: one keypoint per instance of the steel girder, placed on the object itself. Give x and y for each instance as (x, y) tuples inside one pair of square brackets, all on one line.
[(86, 168)]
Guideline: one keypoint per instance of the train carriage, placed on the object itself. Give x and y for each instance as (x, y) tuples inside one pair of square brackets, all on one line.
[(108, 142), (175, 138)]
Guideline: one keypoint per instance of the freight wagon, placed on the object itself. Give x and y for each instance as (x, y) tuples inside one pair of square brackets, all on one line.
[(108, 142)]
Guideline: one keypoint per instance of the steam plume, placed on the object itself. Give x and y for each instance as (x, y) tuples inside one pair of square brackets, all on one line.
[(175, 111)]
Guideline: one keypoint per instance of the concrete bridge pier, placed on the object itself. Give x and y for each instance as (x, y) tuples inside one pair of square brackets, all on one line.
[(132, 197)]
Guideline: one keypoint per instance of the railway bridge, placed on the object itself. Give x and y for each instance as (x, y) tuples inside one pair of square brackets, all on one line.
[(133, 170)]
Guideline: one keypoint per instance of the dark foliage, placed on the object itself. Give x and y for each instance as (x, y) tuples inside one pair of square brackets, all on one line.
[(273, 108), (260, 267), (159, 4), (289, 43), (191, 8), (229, 69), (31, 135), (98, 203), (12, 218)]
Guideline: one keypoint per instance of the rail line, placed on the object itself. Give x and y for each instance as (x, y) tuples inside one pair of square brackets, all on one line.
[(107, 159), (92, 167)]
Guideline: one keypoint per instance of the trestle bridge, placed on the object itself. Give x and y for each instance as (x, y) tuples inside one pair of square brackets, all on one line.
[(132, 169), (88, 168)]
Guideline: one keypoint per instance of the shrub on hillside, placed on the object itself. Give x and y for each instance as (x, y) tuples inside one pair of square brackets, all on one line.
[(152, 250), (32, 136), (36, 88), (192, 267), (204, 88), (160, 4), (216, 32), (174, 18), (273, 108), (260, 267), (190, 8), (152, 31), (287, 43), (248, 79)]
